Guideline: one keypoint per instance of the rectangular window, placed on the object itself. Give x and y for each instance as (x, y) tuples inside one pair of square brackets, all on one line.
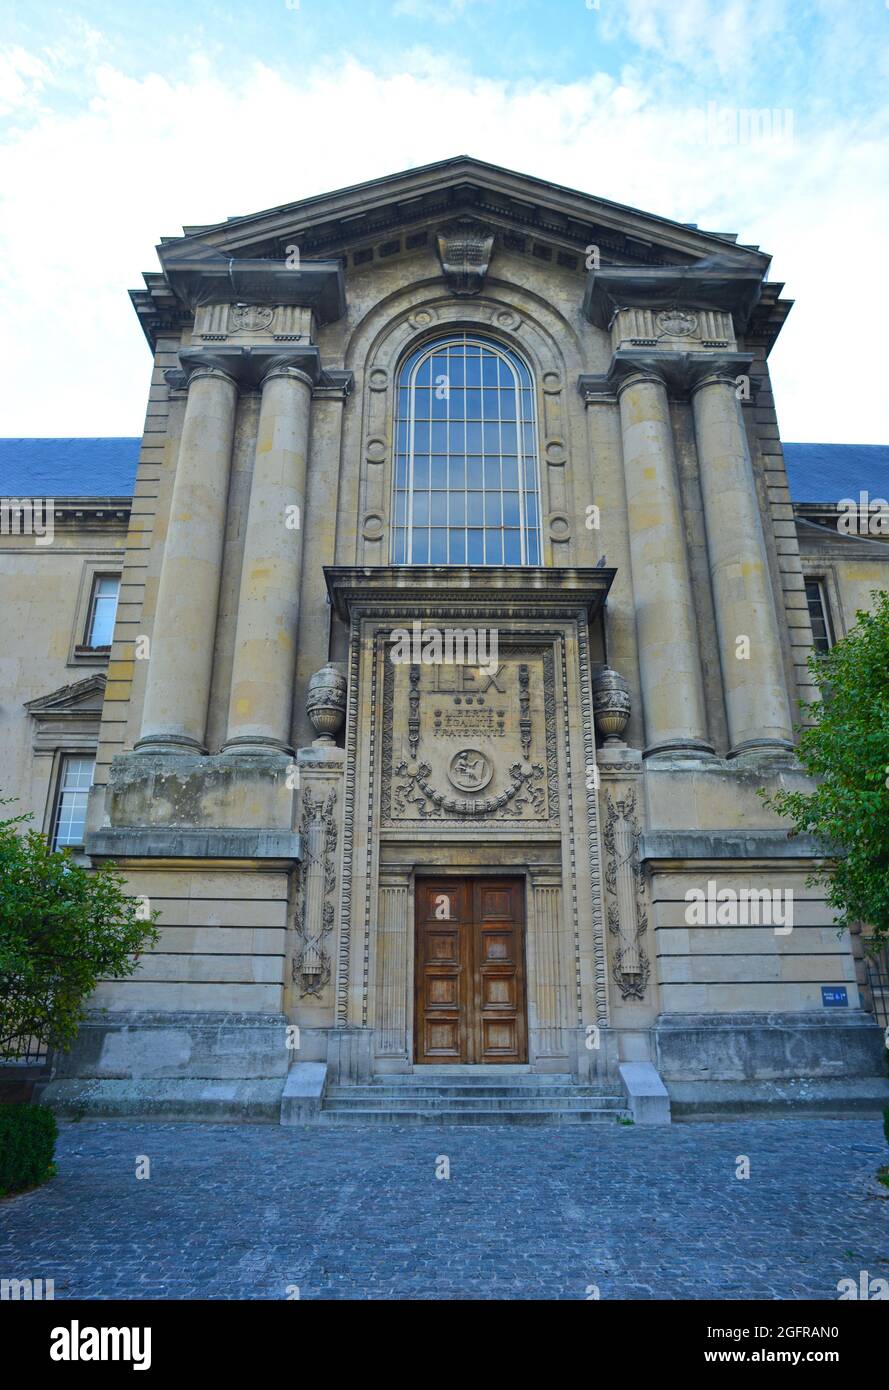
[(103, 607), (75, 780), (820, 616)]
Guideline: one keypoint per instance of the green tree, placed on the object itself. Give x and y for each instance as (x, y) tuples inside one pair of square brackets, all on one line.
[(846, 749), (63, 927)]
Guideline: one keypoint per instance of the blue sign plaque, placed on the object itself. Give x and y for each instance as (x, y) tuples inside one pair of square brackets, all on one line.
[(834, 997)]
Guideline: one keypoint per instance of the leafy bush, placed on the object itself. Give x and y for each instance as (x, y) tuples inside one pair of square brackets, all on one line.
[(63, 927), (846, 750), (27, 1145)]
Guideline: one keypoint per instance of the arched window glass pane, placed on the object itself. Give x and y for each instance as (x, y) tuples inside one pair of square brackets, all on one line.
[(465, 457)]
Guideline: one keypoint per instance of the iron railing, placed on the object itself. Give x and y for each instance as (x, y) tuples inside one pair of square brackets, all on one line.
[(877, 971)]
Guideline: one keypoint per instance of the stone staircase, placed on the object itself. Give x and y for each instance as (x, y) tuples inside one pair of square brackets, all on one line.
[(483, 1096)]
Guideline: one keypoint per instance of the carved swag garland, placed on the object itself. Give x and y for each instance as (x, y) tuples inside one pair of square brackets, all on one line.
[(429, 802)]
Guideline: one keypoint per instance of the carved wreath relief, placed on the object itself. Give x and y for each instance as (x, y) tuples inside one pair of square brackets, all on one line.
[(627, 920), (474, 742)]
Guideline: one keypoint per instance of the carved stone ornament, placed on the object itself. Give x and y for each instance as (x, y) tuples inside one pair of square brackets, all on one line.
[(313, 917), (524, 789), (677, 323), (470, 770), (469, 741), (326, 700), (627, 920), (250, 318), (464, 249), (611, 701)]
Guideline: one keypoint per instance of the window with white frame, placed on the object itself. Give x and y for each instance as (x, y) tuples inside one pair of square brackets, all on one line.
[(819, 613), (466, 470), (102, 610), (75, 780)]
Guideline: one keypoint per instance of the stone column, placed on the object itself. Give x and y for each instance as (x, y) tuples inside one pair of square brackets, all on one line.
[(666, 624), (182, 642), (752, 670), (261, 700)]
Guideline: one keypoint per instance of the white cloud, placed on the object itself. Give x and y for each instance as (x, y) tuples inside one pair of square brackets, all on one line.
[(88, 190), (712, 38), (438, 11), (22, 78)]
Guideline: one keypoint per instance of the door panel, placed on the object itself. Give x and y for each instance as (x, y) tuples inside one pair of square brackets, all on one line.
[(499, 969), (470, 983)]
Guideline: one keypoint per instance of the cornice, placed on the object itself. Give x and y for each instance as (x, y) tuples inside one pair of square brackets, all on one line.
[(199, 274), (491, 591), (67, 701), (723, 282)]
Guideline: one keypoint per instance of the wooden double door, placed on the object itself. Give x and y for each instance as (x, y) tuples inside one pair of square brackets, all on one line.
[(470, 971)]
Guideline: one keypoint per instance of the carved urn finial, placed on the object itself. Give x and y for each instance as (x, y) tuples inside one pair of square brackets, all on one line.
[(611, 702), (326, 700)]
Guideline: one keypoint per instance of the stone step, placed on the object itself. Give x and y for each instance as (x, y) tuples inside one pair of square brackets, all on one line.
[(491, 1103), (385, 1092), (460, 1115), (471, 1076)]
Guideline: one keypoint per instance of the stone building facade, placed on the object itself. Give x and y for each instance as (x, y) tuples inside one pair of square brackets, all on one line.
[(462, 618)]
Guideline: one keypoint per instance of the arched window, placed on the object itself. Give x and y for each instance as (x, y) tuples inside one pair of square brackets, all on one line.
[(466, 489)]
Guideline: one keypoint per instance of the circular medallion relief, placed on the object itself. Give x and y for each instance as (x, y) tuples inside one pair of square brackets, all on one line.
[(372, 527), (378, 379), (677, 323), (470, 770), (505, 318), (555, 452), (559, 526), (376, 450), (250, 318), (421, 318), (552, 383)]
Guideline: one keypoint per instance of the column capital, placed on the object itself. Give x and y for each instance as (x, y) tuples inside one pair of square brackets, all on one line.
[(246, 366), (680, 372)]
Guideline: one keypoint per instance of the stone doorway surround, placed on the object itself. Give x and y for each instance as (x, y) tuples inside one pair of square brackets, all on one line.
[(404, 817)]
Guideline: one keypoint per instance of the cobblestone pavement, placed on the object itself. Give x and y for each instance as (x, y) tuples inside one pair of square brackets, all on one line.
[(358, 1212)]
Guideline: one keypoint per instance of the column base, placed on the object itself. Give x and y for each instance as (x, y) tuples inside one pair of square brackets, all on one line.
[(768, 747), (169, 744), (249, 744), (681, 748)]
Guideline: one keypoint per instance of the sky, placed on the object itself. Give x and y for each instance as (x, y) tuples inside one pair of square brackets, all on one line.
[(120, 122)]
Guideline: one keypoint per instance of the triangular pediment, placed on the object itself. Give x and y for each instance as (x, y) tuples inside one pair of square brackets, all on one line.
[(79, 698), (371, 225), (549, 214)]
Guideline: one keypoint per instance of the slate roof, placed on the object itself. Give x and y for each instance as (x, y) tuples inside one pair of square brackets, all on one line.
[(68, 467), (107, 468), (828, 472)]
